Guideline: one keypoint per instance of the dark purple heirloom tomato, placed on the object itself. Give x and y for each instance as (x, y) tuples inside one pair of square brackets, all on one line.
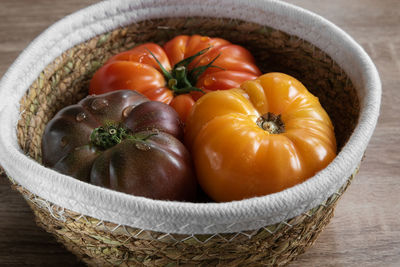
[(123, 141)]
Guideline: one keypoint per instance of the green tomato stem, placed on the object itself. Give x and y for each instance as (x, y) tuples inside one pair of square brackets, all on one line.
[(181, 80), (105, 137)]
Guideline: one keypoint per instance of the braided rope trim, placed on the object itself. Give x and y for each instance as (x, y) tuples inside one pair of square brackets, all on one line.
[(67, 217)]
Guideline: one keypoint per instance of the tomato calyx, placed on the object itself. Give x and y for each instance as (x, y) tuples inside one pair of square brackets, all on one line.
[(105, 137), (181, 79), (271, 123)]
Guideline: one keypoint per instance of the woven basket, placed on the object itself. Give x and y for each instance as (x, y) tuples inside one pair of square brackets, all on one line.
[(101, 240)]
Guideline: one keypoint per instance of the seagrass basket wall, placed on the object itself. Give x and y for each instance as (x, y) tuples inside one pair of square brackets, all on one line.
[(100, 243)]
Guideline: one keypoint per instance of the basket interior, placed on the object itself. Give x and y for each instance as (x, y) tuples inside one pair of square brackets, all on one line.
[(65, 81)]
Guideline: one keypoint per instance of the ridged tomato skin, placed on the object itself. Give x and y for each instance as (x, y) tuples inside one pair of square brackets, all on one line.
[(235, 157), (138, 69), (147, 159)]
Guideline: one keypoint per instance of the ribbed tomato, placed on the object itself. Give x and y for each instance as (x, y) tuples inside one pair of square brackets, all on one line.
[(185, 64), (122, 141), (268, 135)]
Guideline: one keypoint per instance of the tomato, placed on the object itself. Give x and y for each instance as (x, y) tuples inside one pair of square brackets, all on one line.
[(122, 141), (182, 104), (261, 138), (190, 65)]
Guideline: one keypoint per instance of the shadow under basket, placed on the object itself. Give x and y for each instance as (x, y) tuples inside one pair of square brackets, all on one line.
[(100, 243)]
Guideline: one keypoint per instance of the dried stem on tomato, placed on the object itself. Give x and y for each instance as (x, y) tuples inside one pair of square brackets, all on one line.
[(271, 123)]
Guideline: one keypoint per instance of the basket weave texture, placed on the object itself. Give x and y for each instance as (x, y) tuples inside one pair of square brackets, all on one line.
[(99, 243)]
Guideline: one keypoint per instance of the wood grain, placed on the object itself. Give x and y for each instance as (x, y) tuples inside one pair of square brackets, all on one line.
[(366, 228)]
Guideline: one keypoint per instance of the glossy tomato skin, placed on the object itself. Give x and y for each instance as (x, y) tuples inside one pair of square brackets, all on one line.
[(158, 168), (72, 126), (235, 158), (183, 104), (121, 75), (138, 70), (152, 162)]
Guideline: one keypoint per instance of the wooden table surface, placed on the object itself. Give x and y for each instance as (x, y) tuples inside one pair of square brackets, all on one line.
[(366, 228)]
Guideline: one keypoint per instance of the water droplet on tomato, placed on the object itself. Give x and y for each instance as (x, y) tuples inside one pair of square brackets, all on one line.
[(205, 61), (81, 116), (142, 58), (126, 111), (64, 141), (209, 81), (142, 146), (99, 103)]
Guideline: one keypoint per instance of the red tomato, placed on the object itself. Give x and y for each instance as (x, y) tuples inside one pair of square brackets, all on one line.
[(186, 65)]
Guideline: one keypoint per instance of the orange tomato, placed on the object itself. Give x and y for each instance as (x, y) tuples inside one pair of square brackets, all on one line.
[(185, 65), (261, 138)]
